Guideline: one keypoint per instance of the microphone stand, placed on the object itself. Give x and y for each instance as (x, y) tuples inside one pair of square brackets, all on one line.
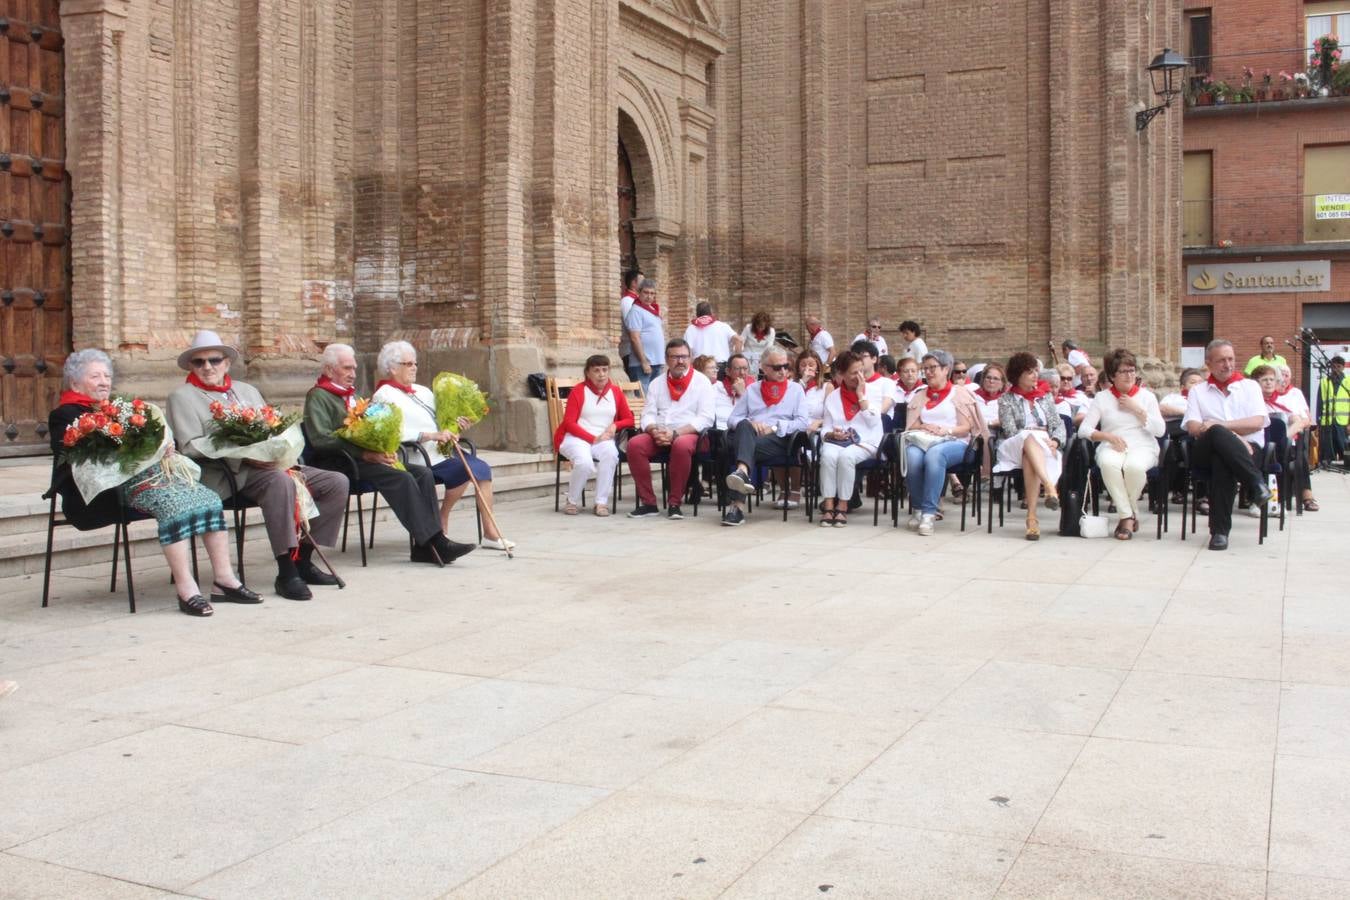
[(1332, 443)]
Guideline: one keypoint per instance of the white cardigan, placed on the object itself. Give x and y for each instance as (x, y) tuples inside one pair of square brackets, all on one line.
[(418, 414)]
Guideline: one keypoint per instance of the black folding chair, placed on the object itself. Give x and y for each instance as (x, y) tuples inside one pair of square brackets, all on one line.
[(469, 451), (344, 462), (61, 479)]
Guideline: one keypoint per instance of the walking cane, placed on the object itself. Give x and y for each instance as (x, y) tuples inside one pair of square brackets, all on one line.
[(303, 525), (468, 470)]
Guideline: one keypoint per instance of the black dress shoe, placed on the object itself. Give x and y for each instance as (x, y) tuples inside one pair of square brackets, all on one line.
[(1260, 495), (195, 605), (312, 574), (293, 587), (450, 550), (422, 553), (1218, 542), (239, 594)]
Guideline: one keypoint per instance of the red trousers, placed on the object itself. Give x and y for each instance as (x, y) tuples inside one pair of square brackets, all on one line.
[(641, 449)]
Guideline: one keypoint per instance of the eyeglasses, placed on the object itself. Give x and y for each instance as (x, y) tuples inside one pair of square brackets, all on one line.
[(677, 358), (779, 367), (203, 361), (958, 371), (408, 362)]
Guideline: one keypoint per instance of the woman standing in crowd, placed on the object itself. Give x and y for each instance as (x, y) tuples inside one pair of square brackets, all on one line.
[(850, 433), (1125, 422), (757, 337), (1033, 436), (596, 411), (942, 420)]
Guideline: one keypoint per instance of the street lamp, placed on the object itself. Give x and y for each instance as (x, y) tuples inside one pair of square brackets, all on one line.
[(1164, 72)]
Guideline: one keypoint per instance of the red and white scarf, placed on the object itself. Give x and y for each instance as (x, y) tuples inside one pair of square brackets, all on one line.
[(1224, 386), (222, 388), (850, 402), (678, 386), (348, 394), (405, 388)]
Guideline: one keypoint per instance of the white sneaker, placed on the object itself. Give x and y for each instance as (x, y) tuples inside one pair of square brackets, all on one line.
[(784, 503), (498, 544), (1254, 511), (926, 526), (914, 522)]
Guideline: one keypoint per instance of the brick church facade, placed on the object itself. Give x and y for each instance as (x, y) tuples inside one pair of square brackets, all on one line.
[(468, 175)]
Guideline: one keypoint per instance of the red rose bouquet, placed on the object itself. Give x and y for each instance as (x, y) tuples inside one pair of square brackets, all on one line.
[(237, 425), (126, 432)]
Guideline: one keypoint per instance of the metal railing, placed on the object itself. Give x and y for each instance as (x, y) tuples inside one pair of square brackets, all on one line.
[(1270, 220), (1262, 76)]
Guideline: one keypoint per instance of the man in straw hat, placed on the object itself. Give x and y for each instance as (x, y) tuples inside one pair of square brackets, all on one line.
[(207, 363)]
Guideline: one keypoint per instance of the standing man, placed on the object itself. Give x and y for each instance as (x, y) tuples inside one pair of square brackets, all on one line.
[(679, 408), (873, 334), (821, 341), (1333, 410), (762, 425), (631, 280), (207, 363), (411, 494), (647, 333), (709, 336), (1267, 357), (1227, 417)]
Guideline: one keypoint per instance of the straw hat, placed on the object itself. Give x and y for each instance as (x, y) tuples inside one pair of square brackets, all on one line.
[(206, 340)]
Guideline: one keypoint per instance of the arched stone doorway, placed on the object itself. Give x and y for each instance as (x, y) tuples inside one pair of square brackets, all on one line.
[(638, 209), (628, 258)]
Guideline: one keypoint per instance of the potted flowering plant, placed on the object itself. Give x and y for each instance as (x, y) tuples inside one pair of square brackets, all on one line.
[(1325, 59), (1201, 91), (1266, 93)]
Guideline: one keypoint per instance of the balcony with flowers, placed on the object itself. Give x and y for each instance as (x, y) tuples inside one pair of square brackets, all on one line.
[(1246, 81)]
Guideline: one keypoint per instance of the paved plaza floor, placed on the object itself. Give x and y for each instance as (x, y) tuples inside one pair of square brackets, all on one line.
[(676, 709)]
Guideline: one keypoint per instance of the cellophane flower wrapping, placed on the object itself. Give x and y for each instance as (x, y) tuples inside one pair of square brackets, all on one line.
[(117, 440), (373, 426), (260, 434), (457, 396)]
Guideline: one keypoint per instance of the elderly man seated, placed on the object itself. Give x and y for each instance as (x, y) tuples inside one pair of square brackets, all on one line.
[(761, 427), (411, 494), (207, 363), (680, 405)]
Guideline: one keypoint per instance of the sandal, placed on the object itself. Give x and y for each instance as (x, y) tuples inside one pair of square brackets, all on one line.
[(1052, 502), (601, 511), (1123, 531), (1033, 528), (1310, 505), (570, 509), (840, 519), (196, 605), (827, 518)]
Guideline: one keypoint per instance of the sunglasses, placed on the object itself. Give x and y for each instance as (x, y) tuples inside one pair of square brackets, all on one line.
[(779, 367), (958, 371), (212, 361)]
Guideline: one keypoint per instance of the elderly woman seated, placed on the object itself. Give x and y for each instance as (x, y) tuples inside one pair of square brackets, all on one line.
[(939, 423), (1033, 436), (1286, 401), (397, 362), (1125, 421), (596, 412), (850, 433), (181, 510)]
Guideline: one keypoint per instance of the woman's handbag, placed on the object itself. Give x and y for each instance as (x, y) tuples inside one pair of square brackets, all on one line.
[(1092, 526)]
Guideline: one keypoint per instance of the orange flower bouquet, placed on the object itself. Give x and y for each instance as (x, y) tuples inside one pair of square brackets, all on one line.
[(117, 440), (262, 434)]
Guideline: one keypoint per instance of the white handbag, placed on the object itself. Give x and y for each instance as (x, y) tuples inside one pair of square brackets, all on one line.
[(1092, 526)]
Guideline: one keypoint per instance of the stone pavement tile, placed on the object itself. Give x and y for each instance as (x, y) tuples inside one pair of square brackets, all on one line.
[(650, 846), (784, 758), (615, 661), (389, 637), (1129, 573), (1283, 886), (201, 688), (310, 711), (1190, 803), (881, 684), (123, 664), (1089, 644), (741, 671), (231, 815), (469, 721), (1202, 651), (31, 879), (995, 597), (1316, 612), (69, 642), (1308, 832), (613, 743), (499, 648), (1195, 710), (1097, 604), (64, 790), (30, 732), (941, 633), (1046, 569), (1315, 721), (1316, 659), (1032, 697), (1061, 873), (962, 778), (1230, 613), (419, 842), (833, 857)]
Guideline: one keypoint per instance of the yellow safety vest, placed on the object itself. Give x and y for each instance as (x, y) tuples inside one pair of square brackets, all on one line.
[(1334, 401)]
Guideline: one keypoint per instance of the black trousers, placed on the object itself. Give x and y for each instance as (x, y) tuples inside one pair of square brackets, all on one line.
[(1232, 464), (745, 447), (411, 495)]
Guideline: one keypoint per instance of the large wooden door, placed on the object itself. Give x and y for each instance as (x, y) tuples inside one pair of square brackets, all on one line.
[(628, 261), (34, 222)]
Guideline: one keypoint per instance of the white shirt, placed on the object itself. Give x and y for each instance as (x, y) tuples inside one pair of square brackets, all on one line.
[(905, 396), (419, 414), (1105, 414), (915, 350), (696, 407), (1077, 358), (880, 393), (1243, 400), (1294, 402), (943, 415), (878, 340), (1174, 401), (822, 343), (710, 340), (815, 402), (787, 416), (866, 422), (754, 348)]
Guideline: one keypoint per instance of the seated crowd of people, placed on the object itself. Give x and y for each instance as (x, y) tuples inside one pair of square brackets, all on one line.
[(185, 510), (743, 417)]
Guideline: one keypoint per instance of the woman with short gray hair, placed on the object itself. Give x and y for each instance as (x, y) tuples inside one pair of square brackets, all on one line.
[(940, 423)]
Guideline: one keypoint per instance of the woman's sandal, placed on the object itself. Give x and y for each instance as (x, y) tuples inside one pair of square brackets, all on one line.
[(570, 509), (1123, 531), (827, 518), (601, 511), (1052, 502), (196, 605), (239, 594), (1033, 529), (840, 519), (1310, 505)]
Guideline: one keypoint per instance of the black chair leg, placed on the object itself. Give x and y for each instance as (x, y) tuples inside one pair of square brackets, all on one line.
[(47, 567), (361, 528), (240, 522), (374, 505), (126, 559), (117, 549)]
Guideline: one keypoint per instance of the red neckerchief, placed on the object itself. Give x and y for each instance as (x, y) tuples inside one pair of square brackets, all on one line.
[(1274, 400), (850, 402), (1068, 393), (876, 376), (761, 335), (677, 388), (600, 393), (1134, 390), (772, 391), (653, 308), (814, 331), (1237, 376), (810, 385), (348, 394), (702, 321), (1036, 393), (196, 382), (632, 294), (726, 383), (986, 396), (405, 388), (76, 398), (1185, 392), (935, 400)]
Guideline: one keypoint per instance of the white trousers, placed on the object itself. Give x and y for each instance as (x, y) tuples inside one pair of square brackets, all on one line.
[(838, 469), (1125, 475), (598, 461)]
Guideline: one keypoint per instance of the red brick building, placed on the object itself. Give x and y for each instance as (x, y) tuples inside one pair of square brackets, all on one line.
[(1266, 225)]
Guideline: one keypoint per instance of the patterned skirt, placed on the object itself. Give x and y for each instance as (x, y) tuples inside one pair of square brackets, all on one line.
[(180, 510)]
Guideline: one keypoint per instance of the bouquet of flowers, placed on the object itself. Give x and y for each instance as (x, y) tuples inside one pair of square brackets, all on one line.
[(457, 397), (373, 426), (261, 434), (116, 440)]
